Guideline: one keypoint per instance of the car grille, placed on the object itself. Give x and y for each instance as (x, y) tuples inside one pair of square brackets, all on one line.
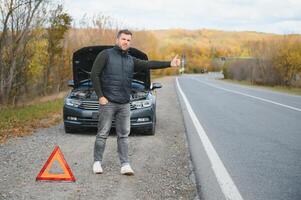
[(94, 122), (94, 105), (89, 105)]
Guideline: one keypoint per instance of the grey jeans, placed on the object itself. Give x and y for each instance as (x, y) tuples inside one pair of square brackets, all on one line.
[(121, 114)]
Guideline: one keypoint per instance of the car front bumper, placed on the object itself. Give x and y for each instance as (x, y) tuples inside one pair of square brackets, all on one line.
[(79, 118)]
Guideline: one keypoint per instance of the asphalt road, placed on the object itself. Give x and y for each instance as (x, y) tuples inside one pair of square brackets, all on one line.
[(245, 143), (161, 162)]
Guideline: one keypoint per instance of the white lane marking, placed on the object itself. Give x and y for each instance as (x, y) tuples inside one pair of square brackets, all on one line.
[(225, 181), (247, 95)]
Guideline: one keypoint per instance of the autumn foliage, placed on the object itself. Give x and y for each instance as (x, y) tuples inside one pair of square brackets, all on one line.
[(273, 61)]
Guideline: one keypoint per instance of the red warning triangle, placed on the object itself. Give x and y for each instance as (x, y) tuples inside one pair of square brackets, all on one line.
[(45, 173)]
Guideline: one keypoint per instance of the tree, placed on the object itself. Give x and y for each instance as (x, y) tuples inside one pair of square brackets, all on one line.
[(59, 24), (17, 19), (287, 59)]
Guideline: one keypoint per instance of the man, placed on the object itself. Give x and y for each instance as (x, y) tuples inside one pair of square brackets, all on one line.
[(111, 76)]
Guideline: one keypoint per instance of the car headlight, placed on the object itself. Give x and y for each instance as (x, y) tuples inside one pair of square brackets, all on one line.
[(142, 104), (72, 102)]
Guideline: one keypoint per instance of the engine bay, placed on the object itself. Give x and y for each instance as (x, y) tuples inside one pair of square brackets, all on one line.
[(90, 94)]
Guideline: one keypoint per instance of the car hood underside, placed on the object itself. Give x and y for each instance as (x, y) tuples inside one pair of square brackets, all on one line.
[(83, 60)]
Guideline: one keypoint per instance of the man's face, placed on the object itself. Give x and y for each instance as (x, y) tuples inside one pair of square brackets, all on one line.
[(124, 41)]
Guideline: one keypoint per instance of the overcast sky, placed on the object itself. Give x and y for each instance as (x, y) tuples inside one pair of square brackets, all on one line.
[(273, 16)]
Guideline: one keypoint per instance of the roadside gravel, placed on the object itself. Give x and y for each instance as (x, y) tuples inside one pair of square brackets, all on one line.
[(161, 162)]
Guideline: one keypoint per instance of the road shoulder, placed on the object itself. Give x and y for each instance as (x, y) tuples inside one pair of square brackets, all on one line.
[(161, 162)]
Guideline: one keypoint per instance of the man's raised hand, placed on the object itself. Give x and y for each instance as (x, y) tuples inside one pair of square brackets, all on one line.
[(175, 62)]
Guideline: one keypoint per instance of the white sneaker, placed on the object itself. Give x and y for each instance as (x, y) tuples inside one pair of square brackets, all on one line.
[(127, 170), (97, 169)]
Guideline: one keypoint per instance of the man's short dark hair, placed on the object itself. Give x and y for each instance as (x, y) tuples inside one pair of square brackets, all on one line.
[(124, 31)]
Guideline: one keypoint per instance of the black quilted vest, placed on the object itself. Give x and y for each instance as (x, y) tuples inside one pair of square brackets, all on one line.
[(117, 75)]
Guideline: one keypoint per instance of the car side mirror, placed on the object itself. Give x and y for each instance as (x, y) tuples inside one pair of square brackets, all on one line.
[(70, 83), (156, 86)]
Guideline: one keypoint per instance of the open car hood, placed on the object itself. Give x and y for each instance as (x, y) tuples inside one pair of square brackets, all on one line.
[(83, 60)]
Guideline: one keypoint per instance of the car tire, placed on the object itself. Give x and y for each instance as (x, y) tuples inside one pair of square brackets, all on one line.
[(69, 129), (152, 131)]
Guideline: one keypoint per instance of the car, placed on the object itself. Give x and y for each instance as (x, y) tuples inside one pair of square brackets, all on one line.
[(81, 103)]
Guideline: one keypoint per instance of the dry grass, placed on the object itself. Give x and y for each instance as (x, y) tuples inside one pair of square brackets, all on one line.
[(289, 90), (21, 121)]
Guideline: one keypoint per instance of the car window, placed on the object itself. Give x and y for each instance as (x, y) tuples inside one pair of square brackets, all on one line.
[(137, 86), (86, 84)]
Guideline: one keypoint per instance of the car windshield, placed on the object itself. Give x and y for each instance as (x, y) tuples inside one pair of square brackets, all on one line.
[(136, 85), (85, 83)]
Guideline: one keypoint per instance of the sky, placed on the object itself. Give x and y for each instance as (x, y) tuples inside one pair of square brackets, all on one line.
[(270, 16)]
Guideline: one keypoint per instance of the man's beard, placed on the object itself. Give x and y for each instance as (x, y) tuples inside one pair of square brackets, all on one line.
[(124, 48)]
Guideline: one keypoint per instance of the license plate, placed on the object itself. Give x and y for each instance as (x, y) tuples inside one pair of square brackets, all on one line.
[(94, 115)]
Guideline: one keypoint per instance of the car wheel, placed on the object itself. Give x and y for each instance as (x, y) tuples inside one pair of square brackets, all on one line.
[(69, 129), (152, 131)]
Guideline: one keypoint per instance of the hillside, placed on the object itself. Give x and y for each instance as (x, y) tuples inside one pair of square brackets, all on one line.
[(206, 38)]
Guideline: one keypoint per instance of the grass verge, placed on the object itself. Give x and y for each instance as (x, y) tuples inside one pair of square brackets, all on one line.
[(289, 90), (21, 121), (153, 77)]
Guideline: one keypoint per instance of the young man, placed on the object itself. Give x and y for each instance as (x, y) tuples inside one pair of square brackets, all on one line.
[(111, 77)]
